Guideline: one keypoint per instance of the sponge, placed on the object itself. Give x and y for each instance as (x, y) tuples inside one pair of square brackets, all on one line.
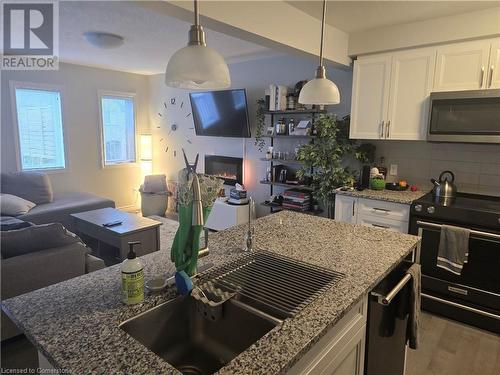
[(183, 283)]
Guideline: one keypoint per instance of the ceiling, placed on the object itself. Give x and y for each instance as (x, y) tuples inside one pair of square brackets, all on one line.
[(150, 37), (354, 16)]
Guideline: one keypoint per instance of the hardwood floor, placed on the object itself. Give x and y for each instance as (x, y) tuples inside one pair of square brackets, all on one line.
[(451, 348)]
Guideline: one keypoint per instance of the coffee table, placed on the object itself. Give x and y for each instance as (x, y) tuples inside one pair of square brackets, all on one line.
[(111, 243)]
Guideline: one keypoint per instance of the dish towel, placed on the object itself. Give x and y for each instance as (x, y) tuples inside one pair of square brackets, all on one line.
[(453, 248), (414, 317)]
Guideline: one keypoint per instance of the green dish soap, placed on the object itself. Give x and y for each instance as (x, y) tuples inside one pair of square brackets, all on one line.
[(132, 277)]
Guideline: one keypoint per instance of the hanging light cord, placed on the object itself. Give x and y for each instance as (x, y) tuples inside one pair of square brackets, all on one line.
[(322, 33), (196, 14)]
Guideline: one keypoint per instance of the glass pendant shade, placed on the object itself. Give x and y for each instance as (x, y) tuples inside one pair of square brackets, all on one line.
[(319, 91), (197, 67)]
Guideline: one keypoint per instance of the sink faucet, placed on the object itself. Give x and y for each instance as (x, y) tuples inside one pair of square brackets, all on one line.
[(250, 232), (198, 214)]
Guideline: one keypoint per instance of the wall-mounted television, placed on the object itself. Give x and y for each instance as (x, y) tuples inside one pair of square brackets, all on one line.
[(220, 113)]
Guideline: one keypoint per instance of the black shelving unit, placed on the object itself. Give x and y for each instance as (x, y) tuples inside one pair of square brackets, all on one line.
[(312, 113)]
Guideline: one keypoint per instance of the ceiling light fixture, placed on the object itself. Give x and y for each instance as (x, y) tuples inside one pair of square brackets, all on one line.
[(197, 67), (103, 40), (320, 90)]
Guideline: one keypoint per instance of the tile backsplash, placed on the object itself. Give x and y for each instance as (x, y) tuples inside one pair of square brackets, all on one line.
[(476, 167)]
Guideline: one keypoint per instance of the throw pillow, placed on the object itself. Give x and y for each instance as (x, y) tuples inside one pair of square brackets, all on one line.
[(11, 223), (33, 186), (12, 205), (36, 238)]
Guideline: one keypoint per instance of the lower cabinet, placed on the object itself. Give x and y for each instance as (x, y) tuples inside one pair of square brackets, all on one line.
[(372, 213), (341, 351)]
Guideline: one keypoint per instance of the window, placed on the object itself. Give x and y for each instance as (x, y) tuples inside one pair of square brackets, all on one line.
[(118, 129), (40, 128)]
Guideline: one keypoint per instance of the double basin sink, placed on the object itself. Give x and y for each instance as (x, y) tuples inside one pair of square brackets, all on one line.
[(268, 288)]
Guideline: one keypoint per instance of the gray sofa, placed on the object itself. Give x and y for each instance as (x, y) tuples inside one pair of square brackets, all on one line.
[(50, 207), (28, 272)]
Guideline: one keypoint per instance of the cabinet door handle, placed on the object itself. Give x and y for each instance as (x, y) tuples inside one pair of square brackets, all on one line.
[(382, 129), (387, 129), (492, 68), (353, 207), (380, 226), (382, 210), (481, 77)]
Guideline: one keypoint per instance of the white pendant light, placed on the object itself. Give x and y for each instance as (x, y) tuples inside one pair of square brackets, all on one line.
[(320, 90), (197, 67)]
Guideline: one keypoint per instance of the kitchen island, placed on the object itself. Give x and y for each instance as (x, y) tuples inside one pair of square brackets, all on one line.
[(74, 324)]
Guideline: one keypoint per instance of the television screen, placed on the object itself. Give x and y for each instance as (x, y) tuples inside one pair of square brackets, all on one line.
[(220, 113)]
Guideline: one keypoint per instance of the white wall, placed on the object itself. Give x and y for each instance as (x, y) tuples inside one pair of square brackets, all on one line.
[(476, 167), (81, 126), (473, 25), (254, 76)]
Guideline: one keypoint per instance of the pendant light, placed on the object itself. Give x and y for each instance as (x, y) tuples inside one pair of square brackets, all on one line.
[(320, 90), (197, 67)]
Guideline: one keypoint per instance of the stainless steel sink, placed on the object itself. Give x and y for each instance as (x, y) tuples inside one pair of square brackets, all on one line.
[(192, 342)]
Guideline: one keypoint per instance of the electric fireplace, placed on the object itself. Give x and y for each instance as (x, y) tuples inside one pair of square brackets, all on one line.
[(228, 168)]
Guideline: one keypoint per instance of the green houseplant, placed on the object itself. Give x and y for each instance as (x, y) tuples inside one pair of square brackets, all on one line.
[(324, 161)]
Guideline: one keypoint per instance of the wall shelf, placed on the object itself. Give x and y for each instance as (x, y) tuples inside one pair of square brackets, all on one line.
[(277, 208), (296, 112), (283, 161), (286, 185), (289, 136)]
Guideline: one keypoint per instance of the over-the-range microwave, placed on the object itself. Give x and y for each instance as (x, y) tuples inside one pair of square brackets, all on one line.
[(464, 116)]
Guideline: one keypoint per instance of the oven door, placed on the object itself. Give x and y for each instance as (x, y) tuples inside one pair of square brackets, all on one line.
[(475, 293), (465, 116)]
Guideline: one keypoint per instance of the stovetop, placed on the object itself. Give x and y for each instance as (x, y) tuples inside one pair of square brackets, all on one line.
[(465, 201), (470, 209)]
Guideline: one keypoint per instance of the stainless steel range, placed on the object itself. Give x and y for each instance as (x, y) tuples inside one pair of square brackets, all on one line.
[(473, 296)]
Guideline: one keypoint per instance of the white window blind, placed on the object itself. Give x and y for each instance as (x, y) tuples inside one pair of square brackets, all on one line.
[(118, 129), (39, 122)]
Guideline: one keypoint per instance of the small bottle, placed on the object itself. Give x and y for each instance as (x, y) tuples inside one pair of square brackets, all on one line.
[(291, 126), (269, 153), (132, 277)]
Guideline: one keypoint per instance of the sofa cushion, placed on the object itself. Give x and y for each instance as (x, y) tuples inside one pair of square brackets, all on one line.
[(33, 186), (12, 205), (12, 223), (36, 238), (63, 206)]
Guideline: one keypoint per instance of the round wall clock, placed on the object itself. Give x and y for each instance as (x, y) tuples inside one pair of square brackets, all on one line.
[(180, 111)]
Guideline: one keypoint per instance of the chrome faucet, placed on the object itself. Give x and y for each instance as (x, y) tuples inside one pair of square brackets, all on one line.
[(250, 232), (198, 214)]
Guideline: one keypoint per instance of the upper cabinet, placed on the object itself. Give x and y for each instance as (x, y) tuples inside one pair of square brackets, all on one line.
[(390, 95), (494, 66), (462, 66), (370, 96)]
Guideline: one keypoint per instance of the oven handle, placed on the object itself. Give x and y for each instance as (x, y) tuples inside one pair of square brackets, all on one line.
[(475, 232), (460, 306), (387, 299)]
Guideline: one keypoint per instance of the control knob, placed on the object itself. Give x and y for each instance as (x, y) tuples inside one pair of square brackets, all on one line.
[(431, 210), (418, 208)]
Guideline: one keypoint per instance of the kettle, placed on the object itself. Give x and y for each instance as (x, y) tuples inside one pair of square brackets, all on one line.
[(444, 188)]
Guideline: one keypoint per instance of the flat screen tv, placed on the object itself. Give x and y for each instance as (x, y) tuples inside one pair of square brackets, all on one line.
[(220, 113)]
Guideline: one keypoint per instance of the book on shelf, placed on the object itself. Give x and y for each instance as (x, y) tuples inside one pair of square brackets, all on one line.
[(277, 97)]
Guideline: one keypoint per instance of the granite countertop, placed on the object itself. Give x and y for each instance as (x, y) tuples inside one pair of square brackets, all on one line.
[(404, 197), (75, 323)]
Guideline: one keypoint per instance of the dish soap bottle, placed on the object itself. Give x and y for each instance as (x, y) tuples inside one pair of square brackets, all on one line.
[(132, 277)]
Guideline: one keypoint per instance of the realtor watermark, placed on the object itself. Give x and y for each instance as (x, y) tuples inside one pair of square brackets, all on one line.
[(30, 35)]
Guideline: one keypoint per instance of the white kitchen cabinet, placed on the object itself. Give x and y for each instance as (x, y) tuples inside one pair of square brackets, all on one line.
[(412, 74), (462, 66), (493, 81), (390, 95), (345, 208), (341, 351), (370, 96), (372, 213)]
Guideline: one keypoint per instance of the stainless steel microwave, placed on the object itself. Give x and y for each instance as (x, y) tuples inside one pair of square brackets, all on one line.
[(465, 116)]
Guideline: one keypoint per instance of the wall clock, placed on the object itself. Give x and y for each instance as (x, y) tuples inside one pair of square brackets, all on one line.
[(175, 117)]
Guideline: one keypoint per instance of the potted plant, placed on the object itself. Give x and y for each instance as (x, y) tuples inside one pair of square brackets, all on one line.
[(325, 160)]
